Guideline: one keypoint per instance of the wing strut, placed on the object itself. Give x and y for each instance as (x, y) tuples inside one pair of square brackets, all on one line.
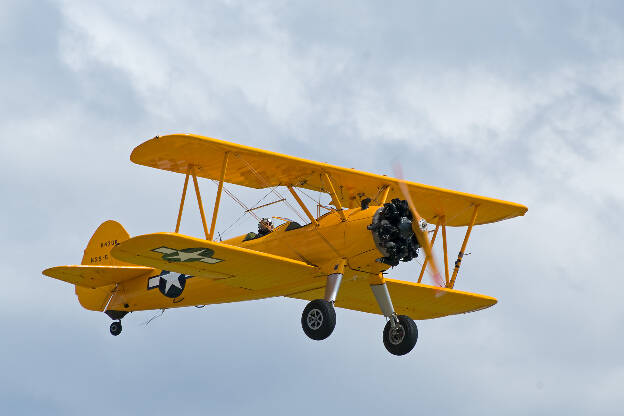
[(336, 200), (384, 195), (188, 171), (215, 211), (199, 202), (302, 205), (463, 247), (424, 266), (446, 269), (450, 283)]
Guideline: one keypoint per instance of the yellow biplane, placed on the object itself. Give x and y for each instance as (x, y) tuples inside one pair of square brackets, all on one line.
[(339, 258)]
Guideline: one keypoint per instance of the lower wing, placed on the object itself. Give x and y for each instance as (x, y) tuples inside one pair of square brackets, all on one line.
[(418, 301), (262, 273)]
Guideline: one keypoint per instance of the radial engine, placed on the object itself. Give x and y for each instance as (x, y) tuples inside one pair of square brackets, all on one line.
[(393, 234)]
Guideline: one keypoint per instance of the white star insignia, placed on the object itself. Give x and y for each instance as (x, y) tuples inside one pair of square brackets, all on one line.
[(172, 279)]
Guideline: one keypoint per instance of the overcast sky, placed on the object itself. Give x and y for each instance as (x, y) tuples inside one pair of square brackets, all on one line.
[(521, 101)]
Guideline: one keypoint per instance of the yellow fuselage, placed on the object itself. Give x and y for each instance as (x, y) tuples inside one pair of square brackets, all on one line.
[(319, 245), (331, 240)]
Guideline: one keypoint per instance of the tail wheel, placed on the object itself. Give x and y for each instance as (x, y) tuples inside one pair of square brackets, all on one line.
[(318, 319), (400, 338), (115, 328)]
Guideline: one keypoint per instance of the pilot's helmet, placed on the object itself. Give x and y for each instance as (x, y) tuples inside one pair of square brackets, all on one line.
[(266, 224)]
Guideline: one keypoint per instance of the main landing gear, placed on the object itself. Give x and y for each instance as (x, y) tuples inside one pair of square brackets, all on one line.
[(400, 335), (318, 319)]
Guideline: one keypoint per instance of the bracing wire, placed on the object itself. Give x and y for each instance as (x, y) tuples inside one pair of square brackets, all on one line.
[(238, 201), (266, 185), (319, 205), (158, 315), (273, 189), (245, 212)]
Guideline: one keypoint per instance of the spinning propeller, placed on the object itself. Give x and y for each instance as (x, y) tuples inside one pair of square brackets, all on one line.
[(421, 235)]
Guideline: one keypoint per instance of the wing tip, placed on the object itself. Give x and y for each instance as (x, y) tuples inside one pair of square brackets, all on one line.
[(49, 271)]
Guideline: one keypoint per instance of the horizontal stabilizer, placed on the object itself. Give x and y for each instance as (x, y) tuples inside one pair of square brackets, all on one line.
[(416, 300), (235, 266), (96, 276)]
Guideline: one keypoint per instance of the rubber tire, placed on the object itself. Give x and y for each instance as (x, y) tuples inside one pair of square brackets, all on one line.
[(409, 341), (115, 328), (329, 319)]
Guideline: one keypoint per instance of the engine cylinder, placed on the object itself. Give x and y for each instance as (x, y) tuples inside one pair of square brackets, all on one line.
[(393, 234)]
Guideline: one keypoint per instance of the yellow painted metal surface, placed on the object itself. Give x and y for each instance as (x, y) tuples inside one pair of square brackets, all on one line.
[(462, 250), (99, 267), (331, 239), (416, 300), (119, 273), (177, 228), (96, 276), (200, 204), (215, 210), (274, 265), (383, 195), (424, 266), (133, 295), (257, 168), (335, 198), (277, 264), (227, 273), (234, 266), (302, 205), (105, 237)]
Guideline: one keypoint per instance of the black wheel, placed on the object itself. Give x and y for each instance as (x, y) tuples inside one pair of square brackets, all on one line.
[(401, 339), (115, 328), (318, 319)]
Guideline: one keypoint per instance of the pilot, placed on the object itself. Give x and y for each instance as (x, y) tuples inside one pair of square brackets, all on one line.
[(265, 226)]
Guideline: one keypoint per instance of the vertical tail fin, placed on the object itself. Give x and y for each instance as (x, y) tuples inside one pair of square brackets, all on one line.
[(97, 253), (108, 235)]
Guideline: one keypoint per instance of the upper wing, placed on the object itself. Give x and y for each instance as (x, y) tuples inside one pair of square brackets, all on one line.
[(257, 168), (265, 273), (96, 276), (415, 300)]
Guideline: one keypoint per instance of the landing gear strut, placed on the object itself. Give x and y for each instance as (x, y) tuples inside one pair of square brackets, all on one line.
[(400, 333), (318, 319), (115, 328)]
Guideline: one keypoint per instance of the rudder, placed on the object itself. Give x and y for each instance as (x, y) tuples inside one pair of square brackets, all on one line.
[(108, 235), (97, 253)]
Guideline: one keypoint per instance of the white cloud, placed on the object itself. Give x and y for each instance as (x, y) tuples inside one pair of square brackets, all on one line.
[(364, 87)]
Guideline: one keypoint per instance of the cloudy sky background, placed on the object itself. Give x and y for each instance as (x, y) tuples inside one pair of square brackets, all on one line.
[(516, 100)]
